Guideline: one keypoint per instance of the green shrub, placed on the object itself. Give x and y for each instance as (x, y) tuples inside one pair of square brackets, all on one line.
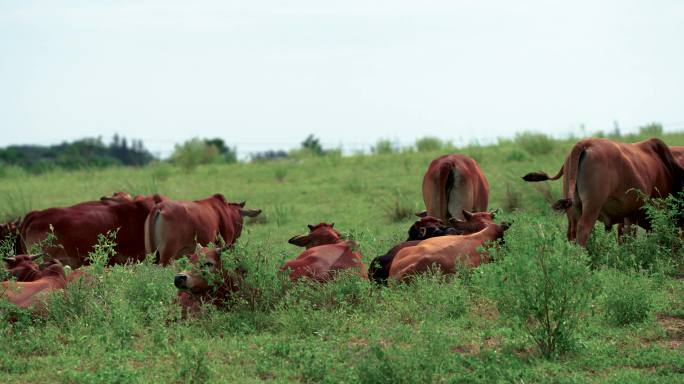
[(652, 129), (427, 144), (534, 143), (383, 147), (542, 284), (628, 297), (516, 155), (194, 152)]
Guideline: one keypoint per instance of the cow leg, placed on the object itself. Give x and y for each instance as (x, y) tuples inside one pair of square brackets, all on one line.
[(625, 228), (590, 213)]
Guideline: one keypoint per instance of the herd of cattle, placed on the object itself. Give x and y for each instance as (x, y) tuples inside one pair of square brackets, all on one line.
[(602, 180)]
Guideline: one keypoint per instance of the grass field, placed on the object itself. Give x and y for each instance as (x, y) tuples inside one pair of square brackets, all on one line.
[(625, 304)]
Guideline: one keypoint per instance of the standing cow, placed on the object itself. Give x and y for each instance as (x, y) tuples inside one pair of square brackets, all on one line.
[(453, 183), (174, 228), (77, 228), (601, 180)]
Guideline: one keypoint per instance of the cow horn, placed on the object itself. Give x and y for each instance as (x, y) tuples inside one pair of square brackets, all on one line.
[(9, 259), (311, 227), (467, 214), (332, 225), (198, 247), (421, 214), (242, 203), (494, 212), (34, 257)]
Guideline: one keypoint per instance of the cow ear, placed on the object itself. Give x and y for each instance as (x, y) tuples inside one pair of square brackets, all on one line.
[(422, 231), (467, 214), (311, 227), (454, 221), (421, 214), (332, 225), (250, 212), (242, 204)]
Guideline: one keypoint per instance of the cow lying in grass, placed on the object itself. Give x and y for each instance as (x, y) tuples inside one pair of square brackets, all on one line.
[(326, 253), (31, 294), (448, 253), (207, 281), (23, 267), (173, 228), (425, 228)]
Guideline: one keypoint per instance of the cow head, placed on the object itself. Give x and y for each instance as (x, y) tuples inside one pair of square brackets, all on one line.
[(23, 267), (117, 197), (477, 221), (52, 268), (425, 228), (206, 268), (320, 234)]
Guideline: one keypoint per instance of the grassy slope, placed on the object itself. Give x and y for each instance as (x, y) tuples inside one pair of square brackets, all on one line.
[(343, 332)]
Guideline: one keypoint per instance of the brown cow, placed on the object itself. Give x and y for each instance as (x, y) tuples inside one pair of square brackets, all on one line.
[(325, 255), (601, 180), (425, 228), (448, 253), (453, 183), (32, 293), (77, 228), (23, 267), (207, 281), (173, 228)]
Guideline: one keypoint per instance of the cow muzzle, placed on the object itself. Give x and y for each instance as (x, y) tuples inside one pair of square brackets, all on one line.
[(181, 281)]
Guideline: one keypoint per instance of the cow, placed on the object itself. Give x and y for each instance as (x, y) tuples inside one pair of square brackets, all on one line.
[(325, 255), (207, 281), (173, 228), (603, 179), (76, 229), (453, 183), (31, 294), (678, 154), (426, 227), (448, 253), (23, 267)]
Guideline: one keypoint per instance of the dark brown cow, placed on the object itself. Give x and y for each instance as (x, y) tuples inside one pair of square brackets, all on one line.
[(173, 228), (601, 179), (207, 281), (448, 253), (325, 255), (453, 183), (31, 294), (23, 267), (77, 228), (425, 228)]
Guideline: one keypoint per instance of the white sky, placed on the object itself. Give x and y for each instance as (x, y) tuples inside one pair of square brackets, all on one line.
[(264, 74)]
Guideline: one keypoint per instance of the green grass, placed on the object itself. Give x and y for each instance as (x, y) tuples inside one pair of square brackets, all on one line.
[(126, 328)]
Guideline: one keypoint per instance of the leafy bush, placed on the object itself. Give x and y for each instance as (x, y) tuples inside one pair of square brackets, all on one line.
[(194, 152), (534, 143), (653, 129), (383, 147), (427, 144), (659, 250), (542, 285), (628, 298)]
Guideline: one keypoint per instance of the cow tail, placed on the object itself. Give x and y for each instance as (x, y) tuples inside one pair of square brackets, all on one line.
[(571, 169), (542, 176), (445, 183), (150, 232)]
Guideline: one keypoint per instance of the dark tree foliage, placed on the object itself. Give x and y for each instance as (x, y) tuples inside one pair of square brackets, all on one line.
[(229, 154), (83, 153), (313, 144), (269, 155)]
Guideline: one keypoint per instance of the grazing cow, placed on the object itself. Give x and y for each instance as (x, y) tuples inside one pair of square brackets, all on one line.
[(173, 228), (23, 267), (425, 228), (77, 228), (453, 183), (207, 281), (326, 254), (601, 180), (448, 253), (31, 294)]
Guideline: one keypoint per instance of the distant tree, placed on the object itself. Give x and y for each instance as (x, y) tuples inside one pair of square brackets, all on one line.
[(313, 145), (268, 155), (228, 154), (194, 152)]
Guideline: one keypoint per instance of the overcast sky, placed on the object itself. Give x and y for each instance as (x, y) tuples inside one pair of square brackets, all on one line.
[(264, 74)]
